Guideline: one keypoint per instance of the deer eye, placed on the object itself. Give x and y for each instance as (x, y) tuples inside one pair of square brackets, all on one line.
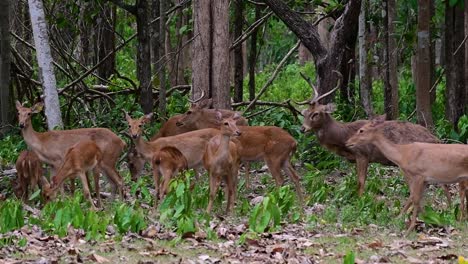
[(361, 131), (29, 114), (189, 112), (140, 125), (226, 124)]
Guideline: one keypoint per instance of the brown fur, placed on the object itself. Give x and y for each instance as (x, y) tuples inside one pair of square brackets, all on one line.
[(421, 163), (221, 160), (29, 171), (80, 158), (51, 146), (170, 161), (333, 136)]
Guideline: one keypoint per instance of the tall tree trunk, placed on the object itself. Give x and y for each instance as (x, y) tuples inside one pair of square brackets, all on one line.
[(155, 56), (44, 60), (201, 48), (390, 62), (106, 40), (432, 44), (220, 47), (162, 68), (465, 96), (454, 34), (6, 113), (144, 56), (364, 75), (238, 58), (253, 56), (423, 98)]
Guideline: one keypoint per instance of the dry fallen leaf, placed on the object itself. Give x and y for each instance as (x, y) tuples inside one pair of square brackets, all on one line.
[(97, 258)]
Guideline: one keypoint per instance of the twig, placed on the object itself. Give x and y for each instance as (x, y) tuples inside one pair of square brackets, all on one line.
[(461, 44), (249, 30), (286, 104), (273, 76)]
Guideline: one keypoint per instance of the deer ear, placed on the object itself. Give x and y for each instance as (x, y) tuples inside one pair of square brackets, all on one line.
[(304, 112), (379, 119), (236, 116), (18, 105), (37, 107), (330, 108), (219, 115), (147, 118), (127, 117), (45, 184)]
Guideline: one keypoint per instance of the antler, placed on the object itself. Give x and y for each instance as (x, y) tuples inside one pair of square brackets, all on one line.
[(197, 100), (307, 79), (340, 78)]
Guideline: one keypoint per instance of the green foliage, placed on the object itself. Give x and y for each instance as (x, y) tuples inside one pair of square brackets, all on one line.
[(11, 215), (10, 147), (129, 218), (349, 258)]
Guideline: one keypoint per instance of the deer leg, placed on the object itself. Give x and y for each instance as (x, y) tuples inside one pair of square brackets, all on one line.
[(247, 174), (463, 197), (167, 176), (361, 167), (417, 189), (156, 183), (407, 205), (87, 194), (97, 188), (214, 186), (275, 169), (115, 179), (197, 178), (447, 194), (291, 172)]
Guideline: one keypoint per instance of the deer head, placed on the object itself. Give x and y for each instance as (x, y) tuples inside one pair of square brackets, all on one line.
[(25, 113), (135, 126), (228, 125), (195, 111), (316, 114), (367, 133)]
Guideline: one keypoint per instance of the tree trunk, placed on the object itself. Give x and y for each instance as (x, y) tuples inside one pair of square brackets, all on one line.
[(220, 47), (6, 112), (390, 62), (155, 56), (44, 60), (106, 40), (432, 44), (364, 76), (84, 50), (144, 56), (423, 97), (201, 48), (238, 58), (465, 96), (162, 68), (253, 56)]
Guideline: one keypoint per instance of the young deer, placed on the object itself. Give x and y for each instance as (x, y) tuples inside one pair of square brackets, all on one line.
[(170, 161), (221, 160), (190, 144), (80, 158), (269, 143), (29, 171), (421, 163), (51, 146), (333, 135)]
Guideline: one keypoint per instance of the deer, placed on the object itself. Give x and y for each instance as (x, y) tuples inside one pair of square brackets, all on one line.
[(463, 191), (420, 162), (332, 135), (271, 144), (176, 125), (221, 160), (82, 157), (170, 162), (191, 145), (29, 171), (51, 146)]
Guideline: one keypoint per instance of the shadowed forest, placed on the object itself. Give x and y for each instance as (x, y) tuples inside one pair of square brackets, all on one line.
[(233, 131)]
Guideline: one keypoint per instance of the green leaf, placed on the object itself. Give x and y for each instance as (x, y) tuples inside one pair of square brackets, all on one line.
[(35, 195), (349, 258), (452, 3), (264, 221)]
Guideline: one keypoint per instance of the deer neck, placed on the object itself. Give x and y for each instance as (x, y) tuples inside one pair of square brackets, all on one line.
[(390, 150), (223, 148), (332, 131), (142, 147), (31, 136)]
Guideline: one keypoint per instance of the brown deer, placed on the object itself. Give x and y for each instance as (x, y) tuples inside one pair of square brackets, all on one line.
[(84, 156), (51, 146), (333, 135), (269, 143), (421, 163), (29, 171), (221, 160), (170, 162), (176, 126), (191, 145), (463, 200)]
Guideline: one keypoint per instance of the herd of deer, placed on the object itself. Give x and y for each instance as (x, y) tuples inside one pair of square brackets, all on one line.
[(219, 140)]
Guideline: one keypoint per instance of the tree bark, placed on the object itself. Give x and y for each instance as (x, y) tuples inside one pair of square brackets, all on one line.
[(162, 68), (465, 96), (6, 113), (238, 55), (390, 62), (220, 48), (144, 56), (326, 60), (155, 56), (253, 56), (364, 76), (201, 48), (423, 97), (44, 59), (106, 40)]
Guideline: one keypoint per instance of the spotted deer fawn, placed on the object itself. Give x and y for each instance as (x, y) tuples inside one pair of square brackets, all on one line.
[(29, 171), (221, 160), (421, 163), (82, 157)]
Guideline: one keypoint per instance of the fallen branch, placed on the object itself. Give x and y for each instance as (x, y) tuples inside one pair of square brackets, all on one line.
[(286, 104)]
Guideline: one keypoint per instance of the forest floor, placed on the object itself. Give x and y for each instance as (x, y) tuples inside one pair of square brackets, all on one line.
[(298, 242)]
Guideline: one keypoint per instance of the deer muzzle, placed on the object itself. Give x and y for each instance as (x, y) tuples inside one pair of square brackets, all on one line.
[(21, 125)]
